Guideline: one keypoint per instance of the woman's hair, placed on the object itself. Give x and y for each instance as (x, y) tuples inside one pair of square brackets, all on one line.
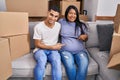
[(77, 21)]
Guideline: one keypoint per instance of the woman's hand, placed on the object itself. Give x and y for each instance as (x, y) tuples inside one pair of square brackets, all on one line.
[(83, 37)]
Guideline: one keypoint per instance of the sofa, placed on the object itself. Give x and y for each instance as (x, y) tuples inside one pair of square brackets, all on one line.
[(97, 70), (23, 66), (98, 46)]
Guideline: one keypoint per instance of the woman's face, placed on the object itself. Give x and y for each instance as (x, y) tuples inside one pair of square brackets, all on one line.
[(71, 15)]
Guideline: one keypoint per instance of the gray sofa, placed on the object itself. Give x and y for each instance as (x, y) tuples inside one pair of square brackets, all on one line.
[(23, 66), (97, 70), (100, 56)]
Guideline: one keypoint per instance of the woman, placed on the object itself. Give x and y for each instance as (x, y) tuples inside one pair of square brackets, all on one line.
[(74, 55)]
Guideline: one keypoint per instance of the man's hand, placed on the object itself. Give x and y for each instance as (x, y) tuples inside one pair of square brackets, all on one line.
[(39, 44), (83, 37), (57, 46)]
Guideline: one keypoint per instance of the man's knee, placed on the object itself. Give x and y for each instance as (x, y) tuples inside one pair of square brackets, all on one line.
[(55, 56), (38, 54), (40, 57)]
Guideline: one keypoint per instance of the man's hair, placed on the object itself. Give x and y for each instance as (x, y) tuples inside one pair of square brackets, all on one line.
[(55, 8)]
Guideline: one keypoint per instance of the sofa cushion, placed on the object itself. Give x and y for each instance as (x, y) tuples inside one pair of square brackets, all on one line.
[(105, 32), (26, 64), (99, 77), (92, 63), (92, 35), (31, 31), (101, 57)]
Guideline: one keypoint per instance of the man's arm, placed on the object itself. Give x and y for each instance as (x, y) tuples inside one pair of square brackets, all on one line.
[(39, 44)]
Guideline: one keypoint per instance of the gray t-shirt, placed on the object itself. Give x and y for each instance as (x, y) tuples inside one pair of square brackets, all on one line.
[(69, 38)]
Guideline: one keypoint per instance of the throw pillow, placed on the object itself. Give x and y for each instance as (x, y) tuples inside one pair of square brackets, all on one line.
[(105, 32)]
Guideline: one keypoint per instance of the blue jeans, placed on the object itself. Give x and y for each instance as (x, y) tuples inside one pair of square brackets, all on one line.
[(41, 57), (76, 64)]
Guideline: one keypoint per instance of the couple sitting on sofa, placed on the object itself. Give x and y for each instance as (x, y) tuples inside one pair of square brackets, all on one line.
[(72, 51)]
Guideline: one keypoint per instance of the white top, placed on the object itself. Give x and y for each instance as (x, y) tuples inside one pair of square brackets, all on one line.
[(48, 36)]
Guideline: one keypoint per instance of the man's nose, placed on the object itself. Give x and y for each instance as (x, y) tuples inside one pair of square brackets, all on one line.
[(53, 18)]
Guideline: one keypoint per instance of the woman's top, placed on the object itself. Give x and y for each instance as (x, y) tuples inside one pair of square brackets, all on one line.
[(69, 38)]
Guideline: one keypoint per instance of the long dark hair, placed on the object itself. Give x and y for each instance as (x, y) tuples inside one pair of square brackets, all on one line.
[(78, 23)]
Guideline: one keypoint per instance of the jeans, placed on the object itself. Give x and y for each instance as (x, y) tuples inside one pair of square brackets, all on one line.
[(76, 64), (41, 57)]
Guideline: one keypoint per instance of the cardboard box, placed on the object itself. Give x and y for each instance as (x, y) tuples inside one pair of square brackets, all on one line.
[(36, 19), (19, 45), (65, 4), (13, 23), (83, 17), (117, 26), (5, 60), (115, 62), (35, 8), (115, 46), (117, 20)]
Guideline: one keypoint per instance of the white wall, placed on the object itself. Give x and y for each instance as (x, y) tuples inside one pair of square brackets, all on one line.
[(101, 7), (2, 5), (107, 7), (91, 7)]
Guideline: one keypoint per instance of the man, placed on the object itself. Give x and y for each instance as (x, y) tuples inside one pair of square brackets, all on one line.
[(46, 37)]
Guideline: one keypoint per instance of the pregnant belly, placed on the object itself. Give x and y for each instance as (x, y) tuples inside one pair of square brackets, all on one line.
[(72, 45)]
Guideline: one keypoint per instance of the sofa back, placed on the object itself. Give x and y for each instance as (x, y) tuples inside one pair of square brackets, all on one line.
[(98, 39), (31, 31), (92, 40), (92, 35)]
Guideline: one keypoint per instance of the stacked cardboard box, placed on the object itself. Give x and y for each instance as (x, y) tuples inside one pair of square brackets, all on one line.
[(5, 59), (19, 45), (14, 27), (114, 61), (83, 17), (35, 8), (65, 4), (13, 23), (115, 52), (117, 20)]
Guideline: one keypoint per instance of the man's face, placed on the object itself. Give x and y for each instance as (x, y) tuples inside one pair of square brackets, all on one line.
[(52, 16)]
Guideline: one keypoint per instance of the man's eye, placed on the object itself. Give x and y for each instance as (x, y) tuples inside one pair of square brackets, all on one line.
[(51, 14), (56, 16)]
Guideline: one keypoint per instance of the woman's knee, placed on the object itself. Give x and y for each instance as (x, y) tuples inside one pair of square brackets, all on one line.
[(82, 58), (67, 59), (66, 55)]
